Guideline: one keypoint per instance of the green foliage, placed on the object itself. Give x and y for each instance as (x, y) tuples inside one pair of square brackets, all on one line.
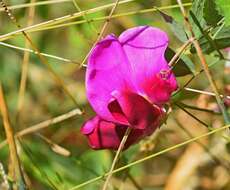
[(44, 99), (183, 65), (209, 26), (183, 95), (221, 39), (228, 147), (211, 15), (198, 10), (176, 27), (206, 34), (224, 7)]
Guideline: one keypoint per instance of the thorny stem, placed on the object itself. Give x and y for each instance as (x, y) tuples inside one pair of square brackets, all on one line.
[(14, 159), (205, 65), (121, 146)]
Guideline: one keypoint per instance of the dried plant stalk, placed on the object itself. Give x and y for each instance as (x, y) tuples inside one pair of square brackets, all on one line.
[(17, 175)]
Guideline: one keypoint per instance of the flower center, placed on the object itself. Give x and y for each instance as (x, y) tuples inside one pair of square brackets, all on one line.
[(165, 74)]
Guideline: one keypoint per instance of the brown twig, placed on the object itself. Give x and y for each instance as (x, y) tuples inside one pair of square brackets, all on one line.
[(59, 81), (44, 124), (91, 25), (121, 146), (134, 182), (55, 147), (214, 157), (44, 54), (204, 64), (25, 64), (100, 35), (153, 155), (17, 175), (204, 92), (182, 48), (193, 116)]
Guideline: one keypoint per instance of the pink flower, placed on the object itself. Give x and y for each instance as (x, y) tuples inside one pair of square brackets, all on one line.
[(128, 81)]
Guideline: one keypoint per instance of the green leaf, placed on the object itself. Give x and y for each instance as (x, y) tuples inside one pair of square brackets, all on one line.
[(222, 40), (182, 95), (177, 28), (197, 8), (223, 8), (211, 15), (228, 147), (183, 67), (206, 34)]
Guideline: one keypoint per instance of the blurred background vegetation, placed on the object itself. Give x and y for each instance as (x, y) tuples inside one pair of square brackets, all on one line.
[(44, 154)]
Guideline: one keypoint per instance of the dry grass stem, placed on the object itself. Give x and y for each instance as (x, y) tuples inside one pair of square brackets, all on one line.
[(17, 175), (59, 81), (25, 64), (205, 65), (121, 146), (45, 124)]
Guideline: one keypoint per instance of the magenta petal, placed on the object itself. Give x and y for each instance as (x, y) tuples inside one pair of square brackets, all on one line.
[(108, 70), (103, 134), (127, 82), (117, 112), (145, 48), (89, 126), (160, 87), (139, 113), (108, 135)]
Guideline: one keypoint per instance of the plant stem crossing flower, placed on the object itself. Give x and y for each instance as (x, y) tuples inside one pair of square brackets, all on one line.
[(128, 81)]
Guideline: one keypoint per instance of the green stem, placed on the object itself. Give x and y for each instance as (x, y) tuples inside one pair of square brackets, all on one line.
[(152, 156), (194, 117), (197, 108), (121, 146), (26, 5), (205, 65), (50, 23)]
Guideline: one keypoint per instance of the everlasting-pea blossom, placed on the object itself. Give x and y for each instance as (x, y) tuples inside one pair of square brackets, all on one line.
[(128, 81)]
